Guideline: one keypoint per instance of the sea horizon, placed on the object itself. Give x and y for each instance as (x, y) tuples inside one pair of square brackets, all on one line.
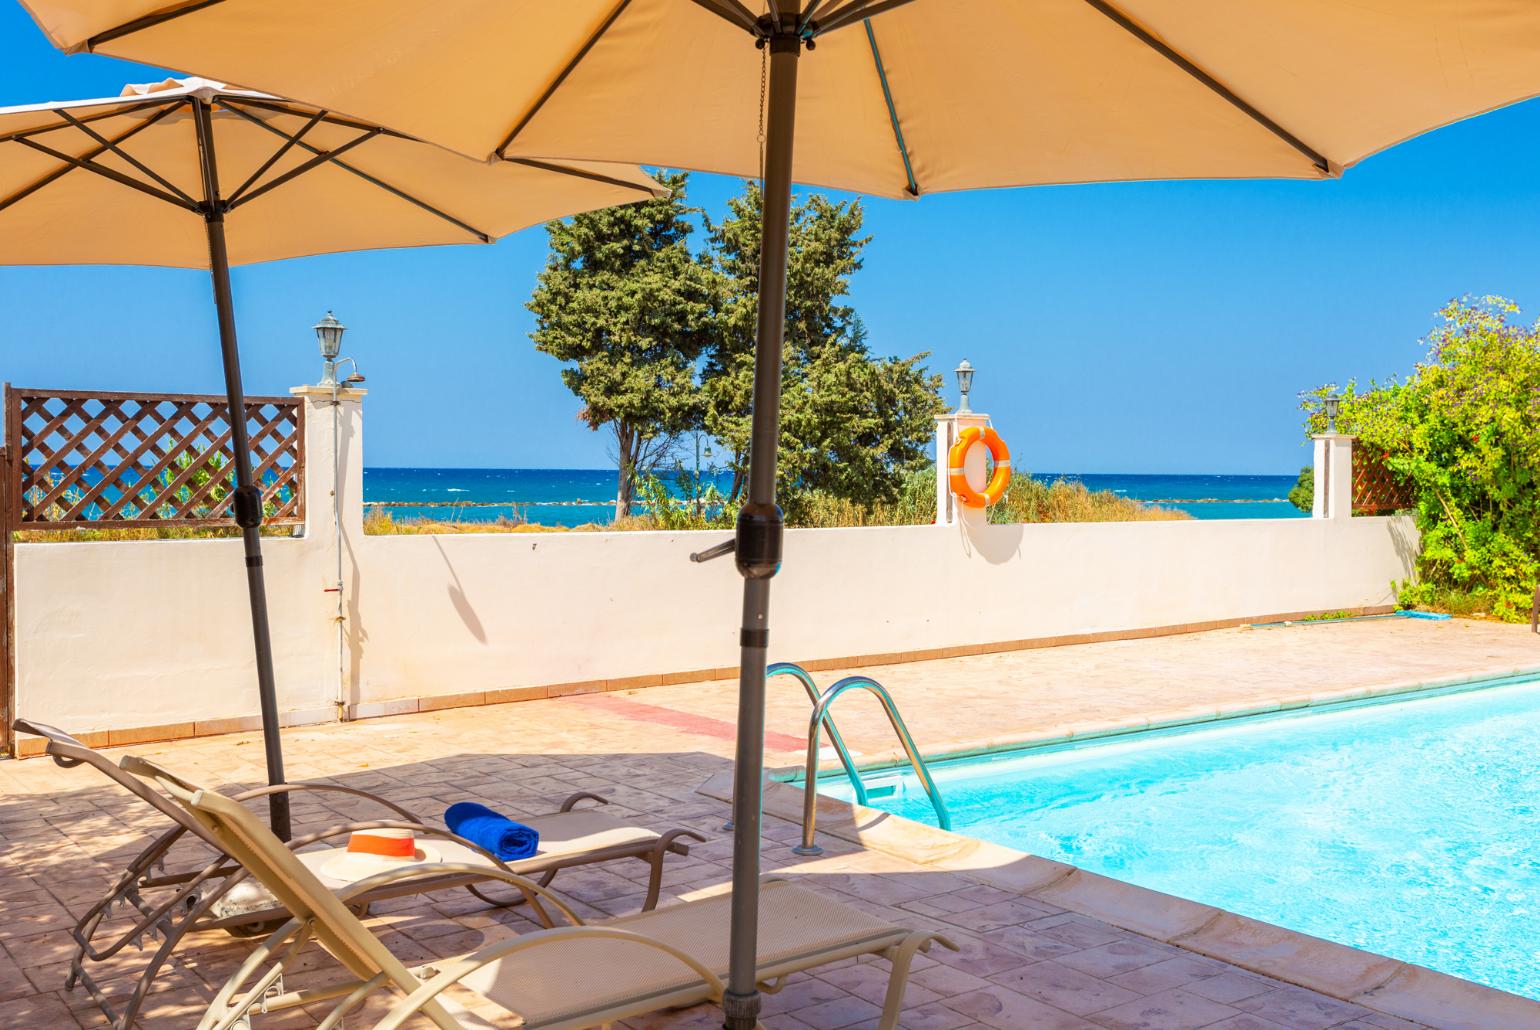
[(571, 497)]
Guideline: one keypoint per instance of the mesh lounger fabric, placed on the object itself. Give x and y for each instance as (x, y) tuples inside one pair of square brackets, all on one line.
[(559, 982), (562, 835)]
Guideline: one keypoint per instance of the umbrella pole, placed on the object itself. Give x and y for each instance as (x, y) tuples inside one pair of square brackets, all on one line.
[(247, 499), (758, 538)]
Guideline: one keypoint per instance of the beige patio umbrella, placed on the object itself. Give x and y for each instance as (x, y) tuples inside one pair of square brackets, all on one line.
[(194, 174), (897, 98)]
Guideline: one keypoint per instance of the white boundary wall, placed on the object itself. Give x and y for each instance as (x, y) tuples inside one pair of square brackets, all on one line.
[(156, 634)]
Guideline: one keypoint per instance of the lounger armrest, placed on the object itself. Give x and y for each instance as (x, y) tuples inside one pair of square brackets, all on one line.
[(453, 972), (523, 883), (324, 788), (582, 795), (670, 841), (42, 729), (152, 771), (65, 750)]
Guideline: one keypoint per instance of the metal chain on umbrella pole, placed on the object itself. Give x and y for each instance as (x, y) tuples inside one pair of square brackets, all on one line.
[(759, 530), (248, 499)]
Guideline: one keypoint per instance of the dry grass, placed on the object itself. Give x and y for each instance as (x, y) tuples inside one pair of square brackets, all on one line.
[(76, 536), (379, 522), (1030, 500), (1462, 604)]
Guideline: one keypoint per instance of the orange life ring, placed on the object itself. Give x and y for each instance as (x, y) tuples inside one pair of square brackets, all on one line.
[(957, 458)]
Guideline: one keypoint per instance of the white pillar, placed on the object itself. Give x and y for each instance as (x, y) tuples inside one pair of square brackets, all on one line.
[(334, 515), (944, 435), (948, 511), (1333, 477)]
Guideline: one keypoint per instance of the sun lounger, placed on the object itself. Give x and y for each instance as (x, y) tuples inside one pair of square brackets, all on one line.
[(566, 978), (170, 904)]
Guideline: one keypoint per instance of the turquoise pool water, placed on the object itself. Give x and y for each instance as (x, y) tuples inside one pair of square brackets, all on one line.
[(1411, 829)]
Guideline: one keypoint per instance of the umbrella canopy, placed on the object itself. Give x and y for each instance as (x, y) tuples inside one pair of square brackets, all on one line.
[(364, 187), (195, 174), (924, 96), (896, 98)]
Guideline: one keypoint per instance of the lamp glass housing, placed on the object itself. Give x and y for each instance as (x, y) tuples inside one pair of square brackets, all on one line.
[(328, 333), (1332, 404), (964, 373), (965, 377)]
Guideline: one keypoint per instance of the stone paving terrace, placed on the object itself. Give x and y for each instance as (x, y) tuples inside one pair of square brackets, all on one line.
[(1025, 961)]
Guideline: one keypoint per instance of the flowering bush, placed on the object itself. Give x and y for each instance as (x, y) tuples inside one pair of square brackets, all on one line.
[(1463, 430)]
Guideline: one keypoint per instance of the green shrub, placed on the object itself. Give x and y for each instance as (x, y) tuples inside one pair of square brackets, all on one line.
[(1302, 493), (1462, 431)]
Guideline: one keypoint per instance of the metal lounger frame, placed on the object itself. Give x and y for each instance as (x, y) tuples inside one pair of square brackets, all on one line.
[(194, 893), (327, 919)]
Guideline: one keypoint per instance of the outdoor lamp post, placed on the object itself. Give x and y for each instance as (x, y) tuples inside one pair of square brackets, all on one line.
[(1333, 405), (700, 487), (328, 333), (964, 374)]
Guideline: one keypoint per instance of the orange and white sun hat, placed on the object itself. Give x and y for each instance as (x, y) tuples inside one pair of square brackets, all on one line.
[(376, 851)]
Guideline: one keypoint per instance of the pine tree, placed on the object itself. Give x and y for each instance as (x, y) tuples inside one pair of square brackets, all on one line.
[(624, 304), (852, 424)]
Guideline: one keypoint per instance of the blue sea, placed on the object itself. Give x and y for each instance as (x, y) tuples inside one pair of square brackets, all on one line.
[(575, 497)]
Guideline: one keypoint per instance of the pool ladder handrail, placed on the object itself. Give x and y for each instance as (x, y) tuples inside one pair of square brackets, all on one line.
[(810, 778), (815, 695)]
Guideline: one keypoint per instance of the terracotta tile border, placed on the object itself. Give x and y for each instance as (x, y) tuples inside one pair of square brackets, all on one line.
[(439, 702), (1386, 985)]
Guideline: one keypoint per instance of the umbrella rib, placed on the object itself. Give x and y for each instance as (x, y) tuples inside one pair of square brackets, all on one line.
[(108, 173), (856, 10), (571, 65), (734, 12), (58, 173), (394, 191), (301, 111), (1149, 39), (42, 130), (581, 173), (170, 186), (887, 95), (283, 149), (321, 157), (807, 15), (148, 21)]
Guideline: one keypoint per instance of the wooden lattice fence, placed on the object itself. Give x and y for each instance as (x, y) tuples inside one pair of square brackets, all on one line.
[(88, 459), (1376, 490)]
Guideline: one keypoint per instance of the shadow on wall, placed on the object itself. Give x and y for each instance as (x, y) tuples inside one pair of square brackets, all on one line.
[(1408, 544), (996, 544), (356, 635), (462, 603)]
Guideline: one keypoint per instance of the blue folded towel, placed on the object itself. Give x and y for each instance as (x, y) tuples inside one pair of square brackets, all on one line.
[(500, 835)]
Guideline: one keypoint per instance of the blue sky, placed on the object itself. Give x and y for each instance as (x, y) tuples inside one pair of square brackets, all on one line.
[(1161, 327)]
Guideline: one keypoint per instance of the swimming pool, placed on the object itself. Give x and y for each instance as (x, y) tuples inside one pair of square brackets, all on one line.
[(1410, 829)]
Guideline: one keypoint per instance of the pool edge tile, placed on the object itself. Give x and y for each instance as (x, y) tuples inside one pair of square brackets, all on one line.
[(1329, 968), (1438, 999), (1163, 917)]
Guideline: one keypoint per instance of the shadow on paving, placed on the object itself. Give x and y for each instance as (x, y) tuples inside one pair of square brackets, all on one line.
[(1022, 961)]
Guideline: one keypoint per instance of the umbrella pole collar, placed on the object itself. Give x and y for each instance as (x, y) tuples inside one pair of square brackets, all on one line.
[(787, 37), (757, 540)]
